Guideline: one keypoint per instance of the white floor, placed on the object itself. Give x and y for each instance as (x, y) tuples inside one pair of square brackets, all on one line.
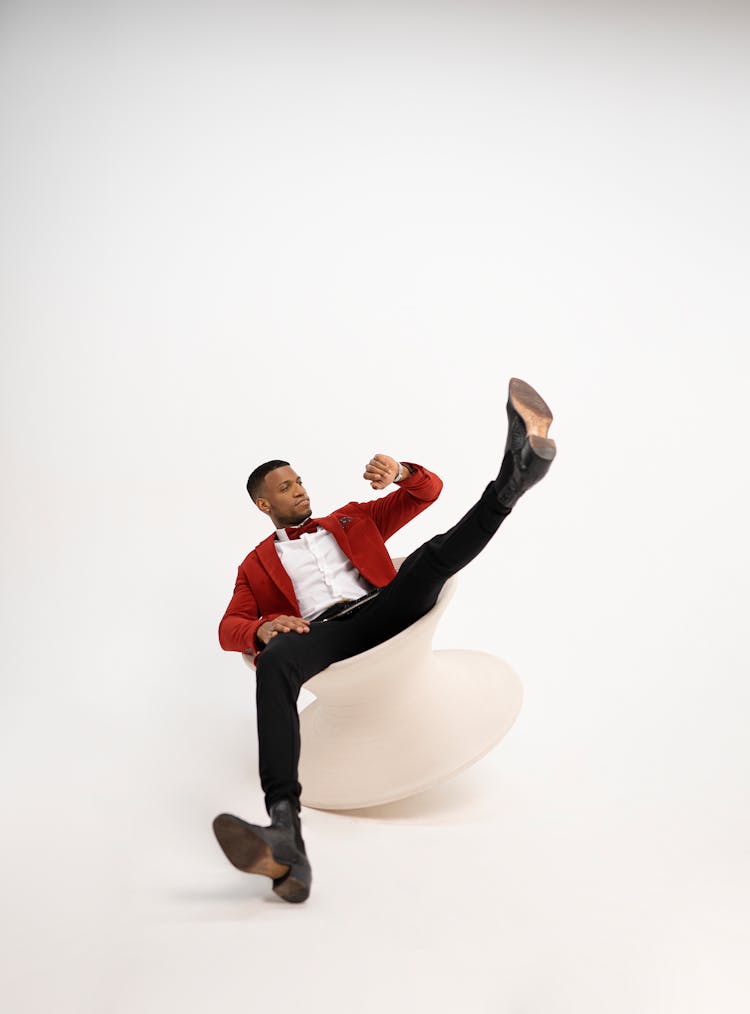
[(428, 206)]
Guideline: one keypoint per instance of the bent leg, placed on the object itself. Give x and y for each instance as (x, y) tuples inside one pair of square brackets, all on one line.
[(288, 661)]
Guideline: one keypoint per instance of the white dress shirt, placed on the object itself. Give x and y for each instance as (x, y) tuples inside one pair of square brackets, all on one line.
[(321, 572)]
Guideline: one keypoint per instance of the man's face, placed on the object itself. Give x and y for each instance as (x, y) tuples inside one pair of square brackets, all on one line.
[(284, 498)]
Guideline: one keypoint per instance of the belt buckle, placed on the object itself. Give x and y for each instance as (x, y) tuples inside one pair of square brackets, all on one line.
[(351, 606), (355, 604), (325, 619)]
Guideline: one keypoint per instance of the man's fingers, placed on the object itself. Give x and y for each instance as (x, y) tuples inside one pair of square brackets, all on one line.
[(378, 473), (287, 623), (283, 625)]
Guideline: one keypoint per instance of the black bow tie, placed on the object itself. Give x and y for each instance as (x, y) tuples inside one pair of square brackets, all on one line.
[(296, 530)]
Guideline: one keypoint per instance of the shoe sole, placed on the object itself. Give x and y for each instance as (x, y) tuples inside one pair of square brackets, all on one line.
[(293, 887), (531, 407), (245, 849), (537, 418)]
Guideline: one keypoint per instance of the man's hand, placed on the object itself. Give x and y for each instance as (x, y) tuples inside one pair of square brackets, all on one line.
[(281, 625), (381, 471)]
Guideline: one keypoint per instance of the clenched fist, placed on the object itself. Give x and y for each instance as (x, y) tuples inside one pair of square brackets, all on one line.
[(381, 470)]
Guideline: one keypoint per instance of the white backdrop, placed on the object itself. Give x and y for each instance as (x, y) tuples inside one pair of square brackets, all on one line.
[(236, 231)]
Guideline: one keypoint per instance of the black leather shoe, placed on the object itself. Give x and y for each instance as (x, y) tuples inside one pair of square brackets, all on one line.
[(277, 851), (528, 450)]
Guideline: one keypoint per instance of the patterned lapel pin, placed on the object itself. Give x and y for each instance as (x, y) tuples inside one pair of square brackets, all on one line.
[(344, 521)]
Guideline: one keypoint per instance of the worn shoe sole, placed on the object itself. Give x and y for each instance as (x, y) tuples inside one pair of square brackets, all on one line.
[(245, 848), (538, 451), (531, 407)]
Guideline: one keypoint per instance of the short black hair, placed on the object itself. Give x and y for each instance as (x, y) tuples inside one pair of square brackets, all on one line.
[(256, 477)]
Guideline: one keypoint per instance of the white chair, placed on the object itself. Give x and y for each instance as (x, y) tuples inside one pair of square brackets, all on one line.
[(399, 718)]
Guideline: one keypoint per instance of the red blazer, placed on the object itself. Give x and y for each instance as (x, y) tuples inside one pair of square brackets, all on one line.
[(264, 590)]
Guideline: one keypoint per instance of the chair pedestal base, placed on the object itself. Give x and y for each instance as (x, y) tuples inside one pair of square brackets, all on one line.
[(435, 720)]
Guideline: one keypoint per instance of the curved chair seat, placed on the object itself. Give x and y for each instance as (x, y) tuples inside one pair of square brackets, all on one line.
[(400, 717)]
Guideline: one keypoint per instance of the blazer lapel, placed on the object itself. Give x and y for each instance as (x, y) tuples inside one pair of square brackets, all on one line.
[(333, 524), (275, 569)]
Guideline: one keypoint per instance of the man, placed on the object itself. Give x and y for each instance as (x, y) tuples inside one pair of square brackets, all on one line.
[(320, 590)]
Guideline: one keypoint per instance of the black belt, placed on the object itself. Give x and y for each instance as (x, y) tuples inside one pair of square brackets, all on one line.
[(346, 608)]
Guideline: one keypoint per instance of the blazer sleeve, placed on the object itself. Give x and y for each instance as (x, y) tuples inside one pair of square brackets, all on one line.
[(239, 625), (415, 493)]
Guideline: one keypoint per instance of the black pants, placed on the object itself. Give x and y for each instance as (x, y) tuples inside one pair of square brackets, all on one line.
[(291, 658)]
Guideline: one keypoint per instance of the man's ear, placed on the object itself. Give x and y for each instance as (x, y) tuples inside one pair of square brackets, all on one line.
[(263, 505)]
